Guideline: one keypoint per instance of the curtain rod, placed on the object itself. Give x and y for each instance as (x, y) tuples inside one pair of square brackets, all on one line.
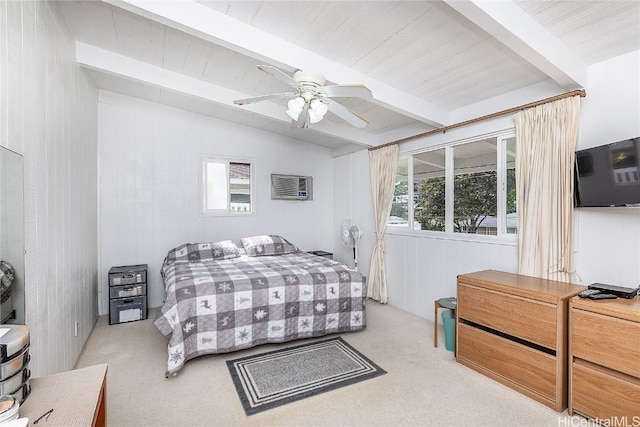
[(443, 129)]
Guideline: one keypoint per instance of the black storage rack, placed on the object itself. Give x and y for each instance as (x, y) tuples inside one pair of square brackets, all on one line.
[(127, 293)]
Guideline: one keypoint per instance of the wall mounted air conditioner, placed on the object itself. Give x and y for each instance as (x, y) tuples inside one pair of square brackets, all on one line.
[(291, 187)]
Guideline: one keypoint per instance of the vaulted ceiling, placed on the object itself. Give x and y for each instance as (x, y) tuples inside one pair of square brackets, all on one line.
[(427, 63)]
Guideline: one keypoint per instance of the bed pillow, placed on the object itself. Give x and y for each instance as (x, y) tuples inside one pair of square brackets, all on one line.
[(268, 244), (224, 249)]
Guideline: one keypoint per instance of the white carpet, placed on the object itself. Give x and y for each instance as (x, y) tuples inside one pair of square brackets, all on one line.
[(424, 386)]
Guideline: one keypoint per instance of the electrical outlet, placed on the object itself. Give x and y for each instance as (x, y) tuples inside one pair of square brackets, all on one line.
[(75, 328)]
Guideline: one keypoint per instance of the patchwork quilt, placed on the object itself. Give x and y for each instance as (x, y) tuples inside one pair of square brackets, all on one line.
[(220, 304)]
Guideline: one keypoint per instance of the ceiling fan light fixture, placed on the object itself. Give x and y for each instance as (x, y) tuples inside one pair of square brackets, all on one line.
[(293, 115), (295, 106), (313, 117), (319, 107), (317, 110), (311, 98)]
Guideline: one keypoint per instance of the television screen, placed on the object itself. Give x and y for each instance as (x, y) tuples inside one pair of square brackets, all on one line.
[(609, 175)]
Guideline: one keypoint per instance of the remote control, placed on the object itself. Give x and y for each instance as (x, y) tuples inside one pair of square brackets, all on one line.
[(602, 296), (587, 292), (616, 290)]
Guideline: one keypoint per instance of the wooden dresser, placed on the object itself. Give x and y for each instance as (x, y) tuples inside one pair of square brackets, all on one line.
[(604, 356), (513, 329)]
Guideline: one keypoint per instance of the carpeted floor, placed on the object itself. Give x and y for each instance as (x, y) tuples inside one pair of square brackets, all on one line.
[(424, 386)]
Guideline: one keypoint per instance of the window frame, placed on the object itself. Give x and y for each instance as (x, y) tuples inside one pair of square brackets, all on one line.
[(502, 138), (203, 196)]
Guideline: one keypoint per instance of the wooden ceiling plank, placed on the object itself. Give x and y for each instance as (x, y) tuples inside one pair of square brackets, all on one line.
[(100, 60), (198, 20), (509, 24)]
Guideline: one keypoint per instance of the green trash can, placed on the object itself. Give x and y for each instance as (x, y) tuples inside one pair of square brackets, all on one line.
[(449, 322)]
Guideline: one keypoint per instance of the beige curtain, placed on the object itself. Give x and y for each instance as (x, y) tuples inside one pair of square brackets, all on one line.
[(546, 137), (383, 173)]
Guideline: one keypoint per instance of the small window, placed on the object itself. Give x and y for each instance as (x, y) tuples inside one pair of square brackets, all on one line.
[(227, 186)]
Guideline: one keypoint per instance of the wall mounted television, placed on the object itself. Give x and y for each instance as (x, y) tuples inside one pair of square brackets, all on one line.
[(608, 175)]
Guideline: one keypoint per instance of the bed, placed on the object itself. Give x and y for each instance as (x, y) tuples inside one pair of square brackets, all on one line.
[(222, 297)]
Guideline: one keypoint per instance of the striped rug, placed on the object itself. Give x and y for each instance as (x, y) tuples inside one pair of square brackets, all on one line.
[(274, 378)]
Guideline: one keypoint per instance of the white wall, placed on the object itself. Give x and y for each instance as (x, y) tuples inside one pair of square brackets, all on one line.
[(149, 188), (351, 172), (48, 113), (607, 241), (422, 268)]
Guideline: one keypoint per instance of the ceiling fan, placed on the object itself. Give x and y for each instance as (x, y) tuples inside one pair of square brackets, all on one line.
[(311, 99)]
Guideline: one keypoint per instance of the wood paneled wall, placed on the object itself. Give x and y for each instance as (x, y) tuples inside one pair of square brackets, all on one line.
[(423, 267), (48, 113), (419, 267), (149, 186)]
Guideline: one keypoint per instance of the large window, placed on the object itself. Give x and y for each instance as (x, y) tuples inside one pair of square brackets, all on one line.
[(467, 187), (227, 186)]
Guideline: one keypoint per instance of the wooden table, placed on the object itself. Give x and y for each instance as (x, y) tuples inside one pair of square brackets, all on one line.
[(73, 398)]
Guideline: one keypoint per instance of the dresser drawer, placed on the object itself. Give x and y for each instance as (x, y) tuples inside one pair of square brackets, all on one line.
[(607, 341), (127, 291), (528, 319), (532, 369), (601, 394), (128, 274), (127, 309)]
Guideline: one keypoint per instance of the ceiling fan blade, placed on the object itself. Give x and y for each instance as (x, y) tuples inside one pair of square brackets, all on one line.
[(264, 98), (347, 115), (348, 91), (278, 74)]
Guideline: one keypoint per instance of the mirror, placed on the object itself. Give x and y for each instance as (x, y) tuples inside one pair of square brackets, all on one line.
[(11, 237)]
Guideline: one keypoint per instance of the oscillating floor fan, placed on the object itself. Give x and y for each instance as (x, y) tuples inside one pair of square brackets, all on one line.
[(350, 236)]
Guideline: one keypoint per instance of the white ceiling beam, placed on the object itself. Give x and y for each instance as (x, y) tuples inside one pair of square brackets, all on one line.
[(99, 59), (111, 63), (513, 27), (200, 21)]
